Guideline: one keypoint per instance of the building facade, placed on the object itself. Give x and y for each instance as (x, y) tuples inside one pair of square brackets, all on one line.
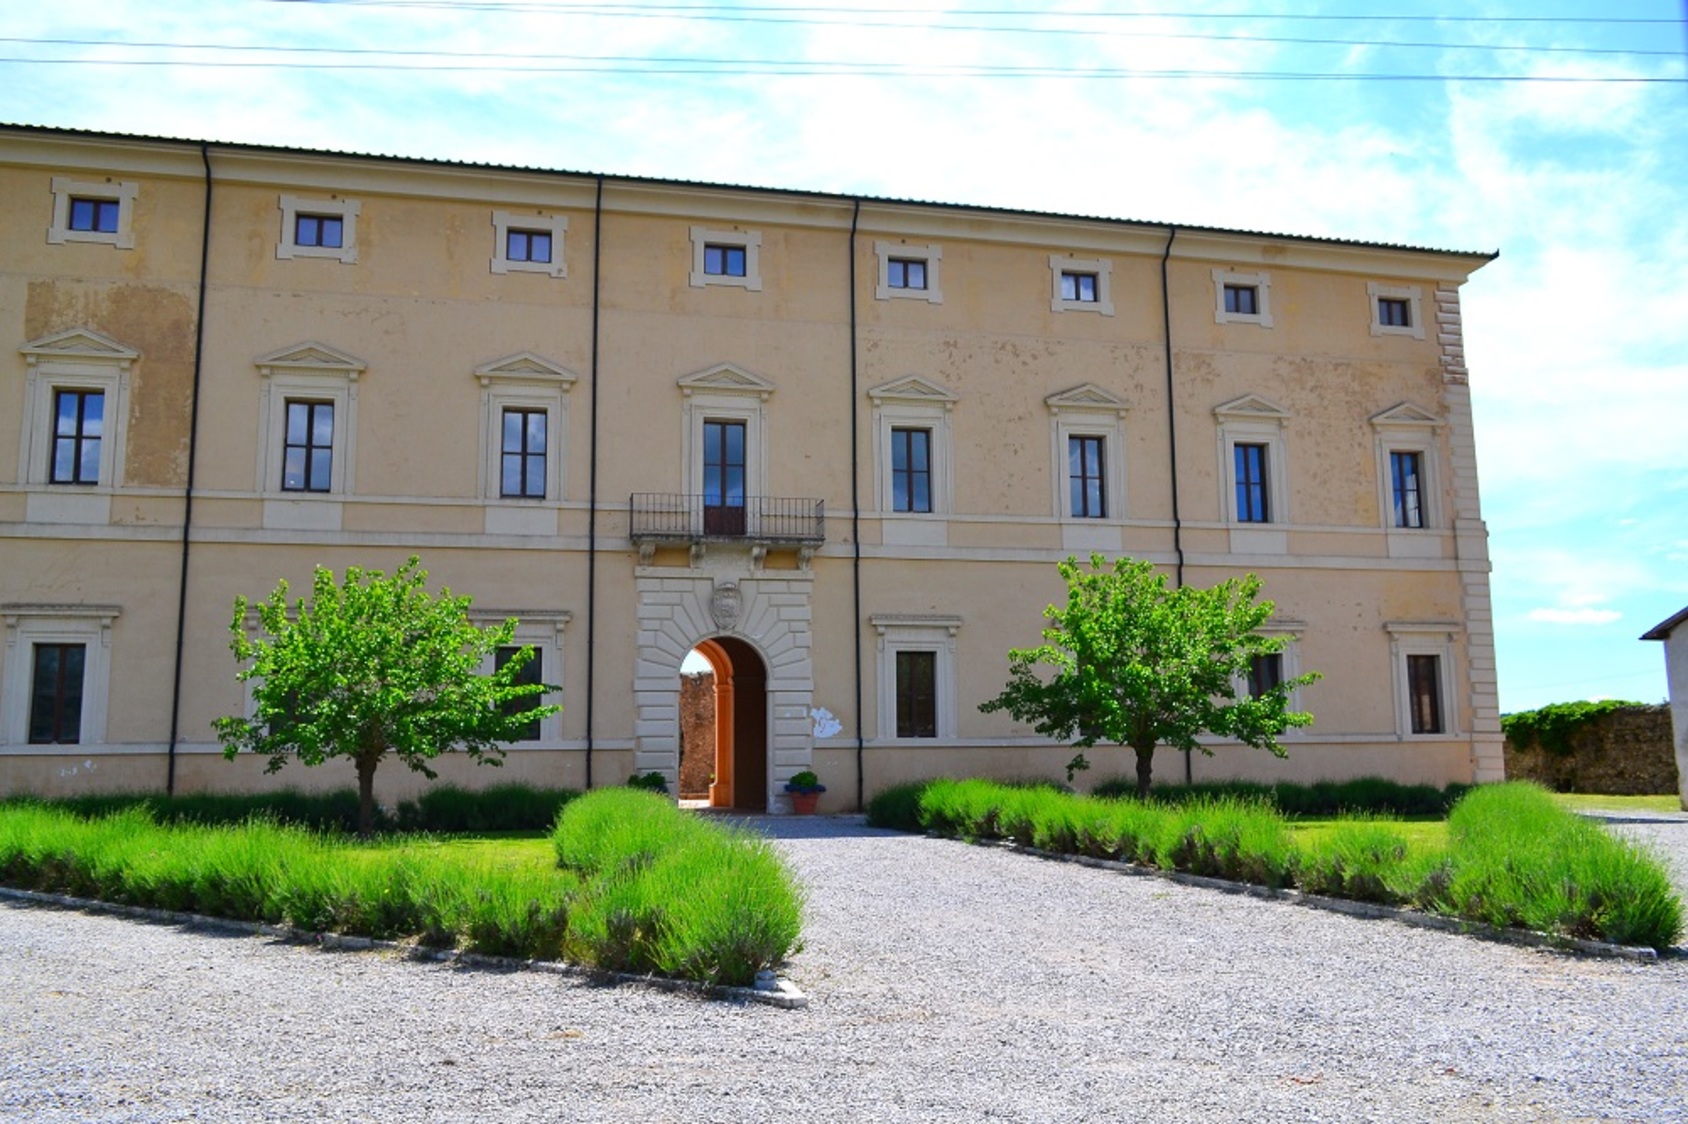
[(836, 445)]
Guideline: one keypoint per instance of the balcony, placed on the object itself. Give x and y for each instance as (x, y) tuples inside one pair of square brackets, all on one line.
[(658, 518)]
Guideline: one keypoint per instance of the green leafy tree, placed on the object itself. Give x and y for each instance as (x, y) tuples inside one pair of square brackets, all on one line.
[(1139, 664), (372, 666)]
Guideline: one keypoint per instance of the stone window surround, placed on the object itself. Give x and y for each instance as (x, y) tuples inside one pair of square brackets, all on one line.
[(311, 372), (1407, 428), (1412, 294), (749, 240), (523, 381), (78, 359), (1260, 282), (1088, 411), (932, 254), (122, 191), (346, 210), (1102, 268), (1423, 638), (916, 632), (914, 403), (542, 630), (1252, 420), (28, 624), (503, 222)]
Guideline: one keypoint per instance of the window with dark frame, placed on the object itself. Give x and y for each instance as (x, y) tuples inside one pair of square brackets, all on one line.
[(326, 231), (1424, 693), (522, 459), (1394, 312), (530, 673), (1406, 473), (78, 425), (905, 273), (911, 470), (1088, 497), (308, 447), (528, 245), (55, 696), (917, 694), (1242, 300), (1080, 287), (95, 215), (723, 477), (1265, 673), (722, 260), (1253, 498)]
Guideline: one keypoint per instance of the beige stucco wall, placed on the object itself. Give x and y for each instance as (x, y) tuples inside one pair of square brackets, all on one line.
[(421, 310)]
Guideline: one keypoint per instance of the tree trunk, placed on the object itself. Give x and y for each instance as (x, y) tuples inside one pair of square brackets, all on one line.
[(366, 793), (1145, 767)]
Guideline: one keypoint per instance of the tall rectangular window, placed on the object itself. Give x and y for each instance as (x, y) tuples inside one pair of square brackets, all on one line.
[(723, 261), (55, 698), (917, 694), (1265, 673), (723, 477), (1424, 693), (98, 215), (1086, 482), (308, 457), (911, 470), (531, 673), (1242, 300), (325, 231), (1406, 472), (78, 424), (1253, 500), (522, 469)]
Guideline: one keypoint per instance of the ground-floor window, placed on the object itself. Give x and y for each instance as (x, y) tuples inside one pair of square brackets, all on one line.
[(55, 697)]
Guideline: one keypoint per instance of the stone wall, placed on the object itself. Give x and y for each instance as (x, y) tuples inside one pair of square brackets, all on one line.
[(697, 735), (1625, 752)]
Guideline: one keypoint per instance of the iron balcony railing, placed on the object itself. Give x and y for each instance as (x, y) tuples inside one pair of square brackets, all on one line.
[(671, 517)]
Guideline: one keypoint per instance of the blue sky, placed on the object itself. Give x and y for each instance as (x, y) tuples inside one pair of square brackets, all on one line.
[(1162, 110)]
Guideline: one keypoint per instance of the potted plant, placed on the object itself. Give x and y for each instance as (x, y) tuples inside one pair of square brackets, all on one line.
[(805, 789)]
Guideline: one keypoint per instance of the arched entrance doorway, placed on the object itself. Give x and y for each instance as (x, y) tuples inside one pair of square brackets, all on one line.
[(740, 724)]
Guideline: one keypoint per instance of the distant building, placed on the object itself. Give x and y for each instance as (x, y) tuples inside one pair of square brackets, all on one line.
[(840, 443), (1674, 632)]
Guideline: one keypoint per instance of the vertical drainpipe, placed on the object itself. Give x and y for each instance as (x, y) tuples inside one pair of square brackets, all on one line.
[(856, 513), (187, 492), (1172, 443), (592, 487)]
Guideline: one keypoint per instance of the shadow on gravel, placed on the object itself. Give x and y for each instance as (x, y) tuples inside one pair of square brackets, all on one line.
[(803, 827), (1626, 817)]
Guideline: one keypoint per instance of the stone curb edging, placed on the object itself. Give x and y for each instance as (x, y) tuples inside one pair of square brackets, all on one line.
[(1371, 910), (777, 993)]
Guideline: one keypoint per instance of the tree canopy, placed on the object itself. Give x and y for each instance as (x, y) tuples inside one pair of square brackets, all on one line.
[(1140, 664), (374, 665)]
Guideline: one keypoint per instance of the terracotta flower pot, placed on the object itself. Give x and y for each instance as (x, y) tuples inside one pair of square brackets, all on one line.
[(804, 803)]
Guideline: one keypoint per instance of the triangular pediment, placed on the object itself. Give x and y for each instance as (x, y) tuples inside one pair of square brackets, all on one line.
[(1406, 413), (527, 366), (79, 343), (304, 358), (1250, 406), (724, 378), (1087, 396), (912, 388)]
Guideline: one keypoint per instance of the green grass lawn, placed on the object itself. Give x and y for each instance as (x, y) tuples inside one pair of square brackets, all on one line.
[(1578, 802)]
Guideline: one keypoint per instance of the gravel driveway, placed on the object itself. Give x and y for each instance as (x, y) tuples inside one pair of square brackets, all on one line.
[(948, 983)]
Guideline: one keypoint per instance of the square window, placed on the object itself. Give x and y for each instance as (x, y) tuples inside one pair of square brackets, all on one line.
[(1242, 300), (1078, 287), (1394, 312), (911, 470), (528, 245), (522, 460), (55, 697), (1424, 693), (308, 447), (1253, 491), (917, 694), (723, 261), (908, 272), (531, 674), (1406, 473), (322, 231), (99, 215), (1395, 309), (78, 426), (1086, 478)]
